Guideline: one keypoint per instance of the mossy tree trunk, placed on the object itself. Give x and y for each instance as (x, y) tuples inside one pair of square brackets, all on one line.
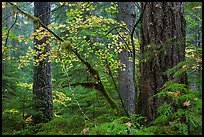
[(163, 33), (42, 72), (126, 84)]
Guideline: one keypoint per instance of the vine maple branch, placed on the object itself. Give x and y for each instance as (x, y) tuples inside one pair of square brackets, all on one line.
[(93, 71)]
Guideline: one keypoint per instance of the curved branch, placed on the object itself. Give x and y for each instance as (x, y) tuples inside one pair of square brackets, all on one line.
[(132, 33), (45, 27), (23, 12), (110, 73), (36, 20), (115, 29), (87, 84), (93, 71), (124, 41), (133, 46), (10, 29)]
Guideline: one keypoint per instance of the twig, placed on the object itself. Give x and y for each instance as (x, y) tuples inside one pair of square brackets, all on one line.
[(63, 66), (115, 29), (87, 84), (10, 29), (124, 41), (10, 14), (123, 105)]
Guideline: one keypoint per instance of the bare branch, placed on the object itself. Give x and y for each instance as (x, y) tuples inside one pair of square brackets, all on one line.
[(133, 46), (10, 29), (115, 29), (110, 73), (86, 84), (138, 20)]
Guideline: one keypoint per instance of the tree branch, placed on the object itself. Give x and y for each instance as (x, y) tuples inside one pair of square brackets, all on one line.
[(110, 73), (94, 72), (138, 20), (36, 21), (115, 29), (133, 47), (45, 27), (23, 12), (127, 47), (86, 84), (10, 29)]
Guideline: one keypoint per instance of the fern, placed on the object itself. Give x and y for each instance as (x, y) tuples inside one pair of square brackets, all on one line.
[(181, 112), (120, 126)]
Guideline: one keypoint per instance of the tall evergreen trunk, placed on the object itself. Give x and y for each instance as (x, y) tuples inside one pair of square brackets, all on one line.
[(42, 72), (126, 84), (163, 33)]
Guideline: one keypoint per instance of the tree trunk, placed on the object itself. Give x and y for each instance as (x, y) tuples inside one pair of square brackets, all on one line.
[(42, 72), (162, 28), (126, 85)]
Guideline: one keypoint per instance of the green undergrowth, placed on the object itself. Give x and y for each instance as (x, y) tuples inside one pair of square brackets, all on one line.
[(82, 111), (70, 117)]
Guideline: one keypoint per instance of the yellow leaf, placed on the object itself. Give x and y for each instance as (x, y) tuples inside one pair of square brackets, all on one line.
[(128, 124), (7, 58), (3, 42), (20, 37), (18, 23), (50, 25), (197, 7), (3, 4), (38, 30), (62, 25), (85, 130), (186, 103), (47, 41), (25, 22), (31, 37), (61, 3), (26, 41), (175, 93), (56, 27)]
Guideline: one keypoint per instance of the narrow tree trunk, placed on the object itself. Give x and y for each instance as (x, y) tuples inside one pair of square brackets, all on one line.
[(162, 27), (42, 72), (126, 84)]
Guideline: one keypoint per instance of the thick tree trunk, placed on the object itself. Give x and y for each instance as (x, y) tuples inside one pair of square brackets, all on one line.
[(42, 72), (162, 28), (126, 85)]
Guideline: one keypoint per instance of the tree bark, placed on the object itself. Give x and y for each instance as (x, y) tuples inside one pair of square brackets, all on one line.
[(163, 33), (42, 72), (126, 84)]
